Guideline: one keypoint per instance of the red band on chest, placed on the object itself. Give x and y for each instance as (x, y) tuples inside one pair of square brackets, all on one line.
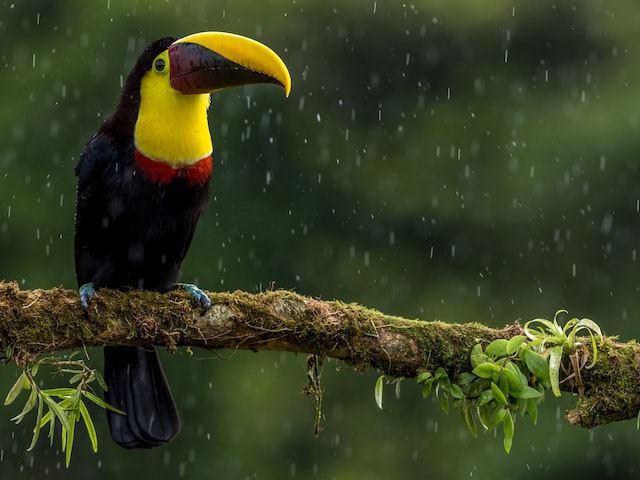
[(160, 172)]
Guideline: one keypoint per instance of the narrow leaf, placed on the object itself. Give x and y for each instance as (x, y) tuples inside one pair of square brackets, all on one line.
[(88, 422), (511, 373), (16, 389), (444, 403), (555, 358), (469, 420), (56, 410), (28, 406), (397, 392), (498, 395), (378, 391), (100, 379), (38, 426), (69, 437), (508, 429), (101, 403)]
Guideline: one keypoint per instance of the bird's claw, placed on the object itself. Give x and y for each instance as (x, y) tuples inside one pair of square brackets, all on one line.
[(86, 294), (199, 297)]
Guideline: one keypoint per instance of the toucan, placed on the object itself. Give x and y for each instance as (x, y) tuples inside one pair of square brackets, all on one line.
[(142, 184)]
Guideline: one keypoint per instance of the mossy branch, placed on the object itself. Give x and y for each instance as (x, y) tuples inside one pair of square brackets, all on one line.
[(34, 322)]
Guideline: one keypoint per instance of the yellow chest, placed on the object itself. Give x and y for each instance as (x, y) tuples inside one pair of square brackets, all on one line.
[(172, 127)]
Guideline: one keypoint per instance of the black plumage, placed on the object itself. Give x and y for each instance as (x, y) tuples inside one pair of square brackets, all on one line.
[(143, 182), (131, 232)]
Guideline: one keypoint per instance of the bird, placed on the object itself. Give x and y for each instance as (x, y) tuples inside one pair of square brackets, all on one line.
[(142, 184)]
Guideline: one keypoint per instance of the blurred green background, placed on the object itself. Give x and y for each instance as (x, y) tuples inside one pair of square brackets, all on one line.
[(453, 160)]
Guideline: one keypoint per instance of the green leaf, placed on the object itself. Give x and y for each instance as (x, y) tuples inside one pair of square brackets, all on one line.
[(485, 397), (511, 373), (508, 429), (28, 406), (514, 343), (478, 356), (22, 383), (499, 414), (398, 383), (526, 393), (444, 403), (485, 370), (535, 363), (485, 416), (77, 377), (498, 395), (101, 403), (62, 392), (88, 422), (441, 376), (427, 386), (378, 391), (555, 359), (38, 426), (68, 445), (532, 408), (424, 376), (456, 391), (469, 420), (100, 379), (503, 384), (466, 378), (497, 348), (57, 411), (477, 387)]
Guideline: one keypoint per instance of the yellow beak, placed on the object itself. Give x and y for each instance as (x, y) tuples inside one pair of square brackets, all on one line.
[(210, 61)]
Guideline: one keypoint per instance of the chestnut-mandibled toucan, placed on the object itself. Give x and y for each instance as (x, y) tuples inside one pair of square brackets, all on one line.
[(143, 181)]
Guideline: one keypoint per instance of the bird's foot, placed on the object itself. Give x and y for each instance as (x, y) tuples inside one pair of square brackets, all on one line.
[(199, 297), (87, 293)]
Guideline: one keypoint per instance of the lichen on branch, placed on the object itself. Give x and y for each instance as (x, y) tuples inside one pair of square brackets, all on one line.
[(34, 322)]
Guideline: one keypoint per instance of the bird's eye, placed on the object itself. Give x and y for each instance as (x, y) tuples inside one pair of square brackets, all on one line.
[(159, 65)]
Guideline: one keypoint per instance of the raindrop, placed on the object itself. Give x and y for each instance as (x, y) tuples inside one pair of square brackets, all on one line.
[(607, 224)]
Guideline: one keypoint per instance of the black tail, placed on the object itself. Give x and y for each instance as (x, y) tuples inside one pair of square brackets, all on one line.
[(137, 385)]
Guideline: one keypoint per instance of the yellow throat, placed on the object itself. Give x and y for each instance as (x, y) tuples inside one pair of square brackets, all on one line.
[(171, 127)]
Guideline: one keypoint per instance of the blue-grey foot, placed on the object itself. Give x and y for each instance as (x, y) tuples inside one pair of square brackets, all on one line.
[(86, 294), (199, 297)]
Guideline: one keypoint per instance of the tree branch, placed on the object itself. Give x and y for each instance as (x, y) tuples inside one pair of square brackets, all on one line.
[(34, 322)]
